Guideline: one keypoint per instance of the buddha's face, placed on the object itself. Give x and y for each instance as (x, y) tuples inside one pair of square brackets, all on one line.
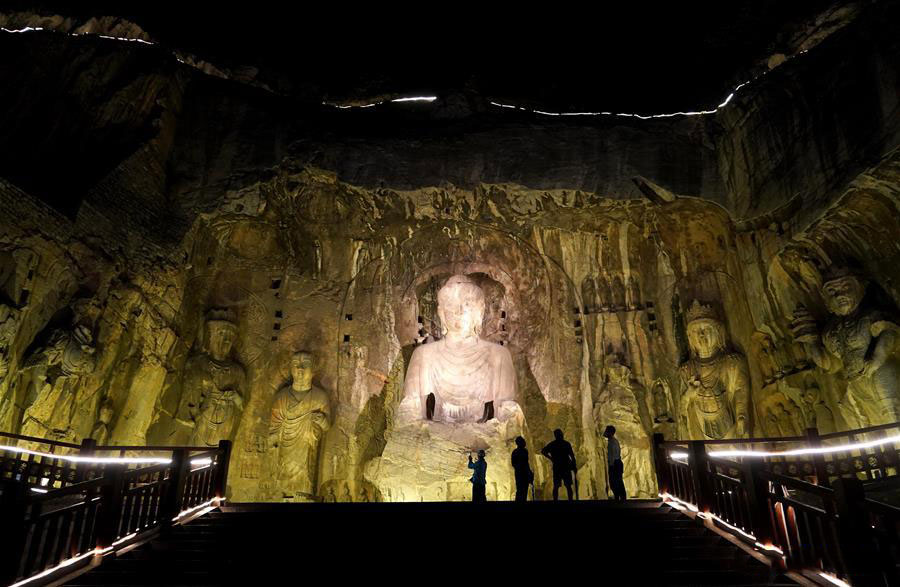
[(843, 295), (221, 339), (301, 370), (705, 337), (461, 307)]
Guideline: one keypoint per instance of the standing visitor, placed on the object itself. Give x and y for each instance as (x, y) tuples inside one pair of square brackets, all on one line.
[(479, 478), (614, 460), (524, 474), (560, 453)]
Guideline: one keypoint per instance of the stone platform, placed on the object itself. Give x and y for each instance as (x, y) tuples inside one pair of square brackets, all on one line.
[(427, 461)]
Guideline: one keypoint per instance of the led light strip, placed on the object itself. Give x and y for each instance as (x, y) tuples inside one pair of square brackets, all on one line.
[(65, 563), (821, 450), (102, 460), (832, 579), (682, 505), (30, 29), (410, 99), (211, 504)]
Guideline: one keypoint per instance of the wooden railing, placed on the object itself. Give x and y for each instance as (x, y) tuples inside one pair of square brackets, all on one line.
[(813, 514), (64, 506)]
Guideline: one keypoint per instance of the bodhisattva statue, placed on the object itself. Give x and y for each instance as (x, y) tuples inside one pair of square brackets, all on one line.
[(715, 385), (858, 339), (461, 377), (300, 417), (214, 384)]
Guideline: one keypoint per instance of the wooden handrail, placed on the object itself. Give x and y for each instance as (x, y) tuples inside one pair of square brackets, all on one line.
[(118, 501), (841, 532), (39, 440)]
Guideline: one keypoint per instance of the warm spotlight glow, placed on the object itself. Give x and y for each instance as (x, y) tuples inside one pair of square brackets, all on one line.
[(834, 580), (819, 450), (65, 563), (102, 460), (207, 506)]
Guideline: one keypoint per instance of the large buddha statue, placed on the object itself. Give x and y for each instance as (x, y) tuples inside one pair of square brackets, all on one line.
[(461, 378), (459, 396)]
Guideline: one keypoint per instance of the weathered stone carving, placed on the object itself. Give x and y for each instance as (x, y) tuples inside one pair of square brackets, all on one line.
[(459, 396), (715, 384), (662, 403), (55, 371), (100, 432), (8, 322), (301, 414), (623, 404), (462, 377), (861, 341), (214, 384)]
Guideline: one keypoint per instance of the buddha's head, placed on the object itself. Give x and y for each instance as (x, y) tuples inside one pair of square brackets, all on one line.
[(843, 291), (461, 306), (221, 338), (301, 370), (706, 334)]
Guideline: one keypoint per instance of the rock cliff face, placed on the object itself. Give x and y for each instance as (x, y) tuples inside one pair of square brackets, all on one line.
[(143, 199)]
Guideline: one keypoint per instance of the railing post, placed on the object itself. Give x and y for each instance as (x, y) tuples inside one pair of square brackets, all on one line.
[(758, 502), (698, 461), (855, 537), (223, 460), (813, 441), (13, 506), (111, 499), (660, 462), (174, 496), (88, 448)]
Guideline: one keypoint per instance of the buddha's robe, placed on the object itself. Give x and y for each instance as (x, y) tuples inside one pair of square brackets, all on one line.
[(297, 424), (463, 376)]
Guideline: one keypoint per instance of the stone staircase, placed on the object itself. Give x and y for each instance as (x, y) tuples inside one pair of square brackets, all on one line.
[(637, 543)]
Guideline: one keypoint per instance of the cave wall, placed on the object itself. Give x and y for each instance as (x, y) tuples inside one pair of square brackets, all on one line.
[(329, 231)]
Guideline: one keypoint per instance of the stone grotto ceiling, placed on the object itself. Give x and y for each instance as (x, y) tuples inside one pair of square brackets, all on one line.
[(186, 258)]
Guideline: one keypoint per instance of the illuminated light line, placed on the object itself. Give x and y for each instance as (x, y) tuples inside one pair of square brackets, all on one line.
[(208, 504), (124, 539), (416, 99), (794, 452), (30, 29), (682, 505), (65, 563), (101, 460), (39, 490), (832, 579)]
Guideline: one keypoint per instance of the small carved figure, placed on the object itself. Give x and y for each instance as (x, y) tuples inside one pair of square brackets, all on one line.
[(715, 385), (100, 432), (858, 339), (634, 292), (300, 417), (662, 407), (766, 357), (8, 323), (818, 415), (589, 295), (214, 384), (604, 293)]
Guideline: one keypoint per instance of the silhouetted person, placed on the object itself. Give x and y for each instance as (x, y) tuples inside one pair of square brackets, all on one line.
[(614, 460), (479, 478), (524, 474), (560, 453)]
